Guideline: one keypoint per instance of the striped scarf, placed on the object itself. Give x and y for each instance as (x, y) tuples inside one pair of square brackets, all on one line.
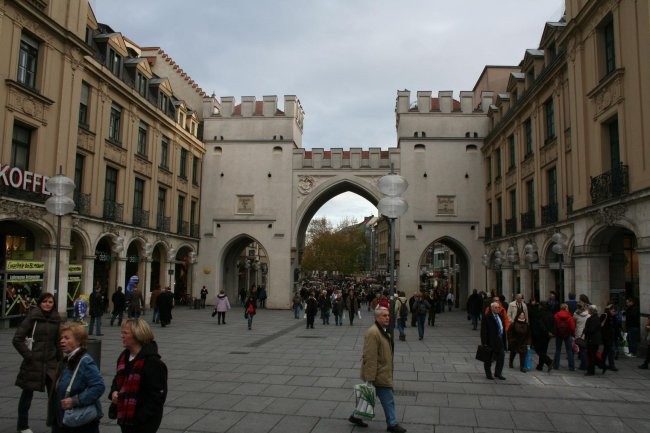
[(128, 382)]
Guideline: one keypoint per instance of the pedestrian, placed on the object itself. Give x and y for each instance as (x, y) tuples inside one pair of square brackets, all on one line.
[(221, 306), (377, 368), (296, 305), (311, 309), (337, 308), (450, 300), (430, 297), (119, 304), (632, 325), (516, 307), (580, 317), (325, 306), (37, 341), (165, 304), (493, 334), (139, 388), (401, 312), (594, 338), (519, 340), (353, 305), (96, 310), (80, 382), (542, 325), (204, 296), (564, 330), (134, 301), (421, 308), (414, 316), (250, 309), (474, 306), (610, 329), (572, 303), (153, 304), (553, 302), (261, 296)]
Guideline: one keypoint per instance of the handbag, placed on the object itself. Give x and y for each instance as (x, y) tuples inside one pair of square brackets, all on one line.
[(29, 341), (581, 342), (574, 346), (80, 415), (484, 353)]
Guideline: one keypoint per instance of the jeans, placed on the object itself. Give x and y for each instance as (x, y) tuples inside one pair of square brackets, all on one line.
[(401, 324), (338, 320), (582, 355), (568, 345), (297, 308), (421, 319), (250, 320), (633, 340), (475, 319), (25, 403), (385, 396), (156, 316), (95, 322)]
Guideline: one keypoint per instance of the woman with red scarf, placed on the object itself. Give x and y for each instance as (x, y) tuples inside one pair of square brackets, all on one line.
[(139, 388)]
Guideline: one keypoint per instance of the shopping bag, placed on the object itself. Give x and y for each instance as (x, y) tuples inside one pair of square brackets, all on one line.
[(528, 360), (364, 394), (484, 353), (624, 345), (574, 346)]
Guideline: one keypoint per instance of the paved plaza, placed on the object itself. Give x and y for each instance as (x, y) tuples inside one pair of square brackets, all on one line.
[(282, 378)]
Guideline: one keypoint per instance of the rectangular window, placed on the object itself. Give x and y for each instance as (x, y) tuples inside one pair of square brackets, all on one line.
[(83, 104), (182, 170), (142, 139), (489, 169), (162, 194), (614, 144), (80, 161), (549, 117), (114, 62), (608, 41), (499, 211), (141, 84), (513, 203), (164, 152), (528, 132), (530, 196), (110, 185), (138, 194), (163, 101), (179, 214), (497, 163), (20, 144), (114, 123), (552, 185), (195, 170), (511, 152), (193, 212), (27, 61)]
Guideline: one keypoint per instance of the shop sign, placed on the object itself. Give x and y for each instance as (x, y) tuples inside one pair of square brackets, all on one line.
[(20, 265), (74, 269), (23, 179)]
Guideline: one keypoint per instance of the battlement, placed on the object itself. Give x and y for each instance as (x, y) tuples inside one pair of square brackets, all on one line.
[(267, 107), (355, 158), (444, 103)]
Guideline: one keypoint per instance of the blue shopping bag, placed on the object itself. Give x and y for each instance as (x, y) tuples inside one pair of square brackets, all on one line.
[(528, 361)]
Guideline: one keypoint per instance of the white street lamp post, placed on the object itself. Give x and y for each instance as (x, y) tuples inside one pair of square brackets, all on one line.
[(192, 261), (559, 248), (118, 246), (171, 257), (513, 257), (392, 206), (59, 204), (530, 250)]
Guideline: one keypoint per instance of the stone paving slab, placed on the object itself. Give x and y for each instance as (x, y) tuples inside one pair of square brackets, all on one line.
[(281, 377)]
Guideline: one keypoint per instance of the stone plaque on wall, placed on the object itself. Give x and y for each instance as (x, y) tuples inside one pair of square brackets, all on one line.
[(245, 204), (446, 205)]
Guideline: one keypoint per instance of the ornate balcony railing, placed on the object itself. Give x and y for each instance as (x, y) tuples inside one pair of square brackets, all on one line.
[(497, 230), (549, 214), (162, 223), (113, 211), (194, 230), (528, 220), (183, 228), (611, 184), (82, 203), (488, 233), (511, 226), (141, 218)]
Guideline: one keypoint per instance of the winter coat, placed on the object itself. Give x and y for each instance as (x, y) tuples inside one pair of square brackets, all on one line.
[(490, 333), (377, 359), (135, 302), (580, 317), (312, 306), (474, 303), (87, 388), (513, 309), (503, 314), (152, 392), (43, 359), (119, 302), (251, 302), (222, 304), (96, 304), (519, 336), (165, 304), (564, 315), (593, 334), (352, 304), (610, 329), (337, 307), (541, 326)]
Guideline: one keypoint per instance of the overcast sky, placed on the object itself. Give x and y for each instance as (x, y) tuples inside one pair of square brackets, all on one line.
[(344, 59)]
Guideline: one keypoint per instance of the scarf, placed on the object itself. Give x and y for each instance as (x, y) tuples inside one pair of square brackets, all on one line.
[(128, 382)]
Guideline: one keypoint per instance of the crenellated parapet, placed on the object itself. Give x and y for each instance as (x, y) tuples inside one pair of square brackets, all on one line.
[(337, 158), (267, 107), (444, 103)]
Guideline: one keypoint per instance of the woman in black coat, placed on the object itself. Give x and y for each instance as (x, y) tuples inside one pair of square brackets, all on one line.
[(541, 321), (39, 367), (594, 338)]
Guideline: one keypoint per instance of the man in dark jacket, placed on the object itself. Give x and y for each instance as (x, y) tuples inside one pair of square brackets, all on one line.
[(119, 304), (96, 308), (493, 334), (594, 338), (474, 305), (165, 304)]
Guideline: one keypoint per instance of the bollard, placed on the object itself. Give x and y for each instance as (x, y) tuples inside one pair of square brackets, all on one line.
[(94, 349)]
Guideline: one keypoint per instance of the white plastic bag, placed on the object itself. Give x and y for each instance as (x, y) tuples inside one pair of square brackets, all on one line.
[(359, 313), (365, 395)]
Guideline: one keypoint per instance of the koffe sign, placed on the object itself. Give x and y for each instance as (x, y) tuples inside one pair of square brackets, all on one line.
[(22, 179)]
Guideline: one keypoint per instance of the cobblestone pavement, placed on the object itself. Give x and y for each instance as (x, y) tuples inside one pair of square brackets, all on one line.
[(280, 377)]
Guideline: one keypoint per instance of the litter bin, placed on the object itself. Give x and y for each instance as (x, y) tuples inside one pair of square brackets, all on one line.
[(94, 349)]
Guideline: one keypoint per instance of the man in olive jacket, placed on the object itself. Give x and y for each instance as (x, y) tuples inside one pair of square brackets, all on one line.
[(377, 368)]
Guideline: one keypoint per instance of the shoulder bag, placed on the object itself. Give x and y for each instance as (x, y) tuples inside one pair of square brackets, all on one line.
[(80, 415), (484, 353), (29, 341)]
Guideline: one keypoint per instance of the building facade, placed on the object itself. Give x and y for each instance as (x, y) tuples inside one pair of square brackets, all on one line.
[(83, 101), (567, 180)]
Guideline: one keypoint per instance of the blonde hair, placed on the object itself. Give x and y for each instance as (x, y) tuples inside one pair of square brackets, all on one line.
[(140, 329), (78, 331)]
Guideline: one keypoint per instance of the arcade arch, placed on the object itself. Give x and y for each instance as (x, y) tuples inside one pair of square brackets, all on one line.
[(444, 266), (245, 267)]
